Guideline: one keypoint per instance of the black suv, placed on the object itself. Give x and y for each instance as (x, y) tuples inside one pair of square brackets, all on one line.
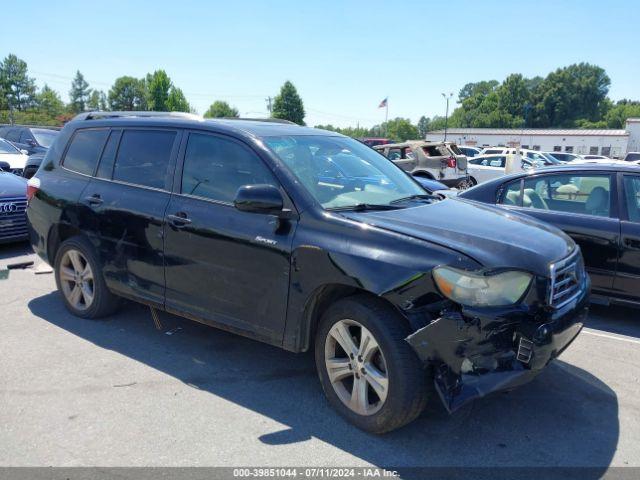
[(245, 226)]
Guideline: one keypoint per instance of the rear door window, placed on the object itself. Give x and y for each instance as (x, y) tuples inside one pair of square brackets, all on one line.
[(84, 150), (143, 157), (632, 195)]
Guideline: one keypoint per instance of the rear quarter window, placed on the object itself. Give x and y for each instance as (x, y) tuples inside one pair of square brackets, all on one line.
[(143, 157), (84, 150)]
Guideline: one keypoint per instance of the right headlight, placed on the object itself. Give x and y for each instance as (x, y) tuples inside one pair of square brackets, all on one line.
[(482, 290)]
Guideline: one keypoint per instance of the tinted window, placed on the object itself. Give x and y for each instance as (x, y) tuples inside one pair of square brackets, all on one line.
[(632, 194), (44, 137), (13, 134), (632, 157), (25, 136), (143, 157), (84, 151), (105, 169), (584, 194), (216, 168)]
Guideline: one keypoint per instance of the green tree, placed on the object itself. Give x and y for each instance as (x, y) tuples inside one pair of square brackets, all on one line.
[(17, 88), (423, 126), (97, 100), (158, 88), (514, 95), (569, 94), (176, 101), (401, 129), (79, 93), (220, 109), (617, 116), (48, 101), (478, 88), (128, 93), (288, 105)]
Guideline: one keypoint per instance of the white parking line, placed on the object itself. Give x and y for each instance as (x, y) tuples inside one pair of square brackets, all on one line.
[(613, 337)]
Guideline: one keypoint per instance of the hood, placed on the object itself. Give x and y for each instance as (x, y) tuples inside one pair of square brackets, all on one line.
[(493, 237), (12, 186), (15, 160)]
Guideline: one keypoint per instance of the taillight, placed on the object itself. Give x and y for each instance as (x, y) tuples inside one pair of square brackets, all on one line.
[(451, 162), (33, 185)]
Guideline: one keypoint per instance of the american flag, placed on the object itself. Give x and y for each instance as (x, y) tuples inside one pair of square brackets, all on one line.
[(383, 103)]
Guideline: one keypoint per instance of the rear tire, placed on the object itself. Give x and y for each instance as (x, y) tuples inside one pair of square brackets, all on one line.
[(393, 384), (466, 183), (80, 282)]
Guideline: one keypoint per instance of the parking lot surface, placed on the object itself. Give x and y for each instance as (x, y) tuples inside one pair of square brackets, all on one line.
[(119, 392)]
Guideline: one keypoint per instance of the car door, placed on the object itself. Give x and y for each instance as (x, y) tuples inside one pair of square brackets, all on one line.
[(627, 282), (126, 203), (582, 205), (486, 168), (225, 266)]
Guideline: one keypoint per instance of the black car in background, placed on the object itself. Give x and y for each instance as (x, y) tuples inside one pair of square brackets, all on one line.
[(598, 205), (13, 203), (239, 225), (31, 139)]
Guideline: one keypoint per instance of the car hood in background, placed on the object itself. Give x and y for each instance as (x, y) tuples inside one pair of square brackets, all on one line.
[(15, 160), (493, 237), (12, 186)]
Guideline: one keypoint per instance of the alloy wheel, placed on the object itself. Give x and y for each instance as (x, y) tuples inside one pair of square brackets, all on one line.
[(356, 367), (76, 279)]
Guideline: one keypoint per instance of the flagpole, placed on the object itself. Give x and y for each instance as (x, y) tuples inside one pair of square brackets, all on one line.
[(386, 116)]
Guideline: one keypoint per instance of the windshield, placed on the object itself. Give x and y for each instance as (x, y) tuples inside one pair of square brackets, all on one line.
[(341, 172), (632, 157), (44, 137), (6, 147)]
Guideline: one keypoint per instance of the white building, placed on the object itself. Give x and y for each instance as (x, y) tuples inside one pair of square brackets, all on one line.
[(612, 143)]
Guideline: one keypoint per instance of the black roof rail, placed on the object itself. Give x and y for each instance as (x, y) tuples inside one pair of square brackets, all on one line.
[(268, 120), (141, 114)]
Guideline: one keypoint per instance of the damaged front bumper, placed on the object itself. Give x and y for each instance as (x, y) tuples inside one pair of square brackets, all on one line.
[(476, 351)]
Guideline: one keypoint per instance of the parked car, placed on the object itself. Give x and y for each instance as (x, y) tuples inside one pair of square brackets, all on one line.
[(595, 157), (31, 139), (488, 167), (372, 142), (533, 155), (468, 151), (435, 160), (228, 222), (597, 205), (13, 156), (13, 202), (32, 164), (564, 156), (632, 157)]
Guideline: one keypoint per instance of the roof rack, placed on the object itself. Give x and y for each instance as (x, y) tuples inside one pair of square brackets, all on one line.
[(266, 120), (141, 114)]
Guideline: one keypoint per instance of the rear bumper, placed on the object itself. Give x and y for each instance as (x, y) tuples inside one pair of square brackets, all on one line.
[(480, 351)]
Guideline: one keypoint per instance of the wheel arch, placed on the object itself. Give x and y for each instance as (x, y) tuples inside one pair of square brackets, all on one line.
[(58, 233), (423, 174)]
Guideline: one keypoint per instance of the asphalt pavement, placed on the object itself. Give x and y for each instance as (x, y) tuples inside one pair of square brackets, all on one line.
[(119, 392)]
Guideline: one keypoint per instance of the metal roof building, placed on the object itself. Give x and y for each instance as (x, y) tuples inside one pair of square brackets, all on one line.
[(613, 143)]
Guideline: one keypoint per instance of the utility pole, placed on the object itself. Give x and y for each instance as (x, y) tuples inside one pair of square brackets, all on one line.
[(446, 115), (269, 106)]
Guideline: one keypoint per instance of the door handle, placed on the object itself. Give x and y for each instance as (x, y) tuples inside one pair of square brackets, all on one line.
[(179, 220), (94, 199)]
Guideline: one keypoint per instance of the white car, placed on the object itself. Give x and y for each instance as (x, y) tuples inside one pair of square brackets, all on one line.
[(488, 167), (12, 159), (533, 155)]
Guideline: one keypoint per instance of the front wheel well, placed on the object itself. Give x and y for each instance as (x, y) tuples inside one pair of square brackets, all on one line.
[(320, 301)]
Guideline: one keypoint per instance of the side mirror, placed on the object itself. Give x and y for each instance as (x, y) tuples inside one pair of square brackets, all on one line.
[(32, 142), (265, 199), (24, 152)]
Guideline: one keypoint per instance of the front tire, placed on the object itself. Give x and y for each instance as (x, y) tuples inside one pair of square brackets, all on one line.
[(80, 282), (368, 372)]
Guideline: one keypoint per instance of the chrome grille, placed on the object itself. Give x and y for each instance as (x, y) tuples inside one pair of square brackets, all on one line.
[(566, 278), (13, 220)]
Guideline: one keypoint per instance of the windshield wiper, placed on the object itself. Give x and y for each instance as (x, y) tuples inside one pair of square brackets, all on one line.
[(360, 207), (421, 196)]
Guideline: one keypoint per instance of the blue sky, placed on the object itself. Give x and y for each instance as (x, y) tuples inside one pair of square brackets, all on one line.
[(343, 56)]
